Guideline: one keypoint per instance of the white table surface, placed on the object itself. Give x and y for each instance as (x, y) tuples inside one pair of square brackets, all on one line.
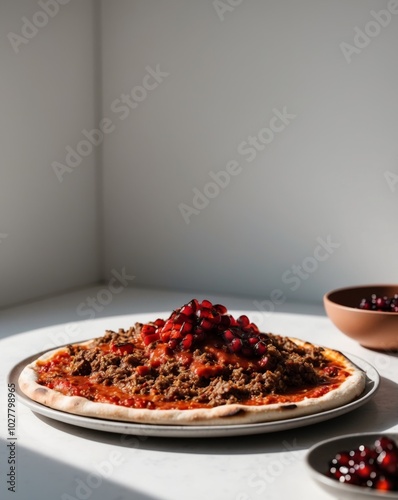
[(61, 461)]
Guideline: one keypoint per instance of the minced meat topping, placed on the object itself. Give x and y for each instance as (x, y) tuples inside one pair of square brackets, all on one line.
[(199, 357), (201, 377)]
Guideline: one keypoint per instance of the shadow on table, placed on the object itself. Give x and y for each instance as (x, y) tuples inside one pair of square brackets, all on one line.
[(377, 415), (39, 477)]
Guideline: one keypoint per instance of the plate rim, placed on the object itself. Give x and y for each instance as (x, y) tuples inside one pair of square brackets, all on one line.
[(164, 430)]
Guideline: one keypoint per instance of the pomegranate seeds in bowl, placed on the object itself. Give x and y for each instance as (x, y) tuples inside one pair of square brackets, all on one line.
[(380, 303), (374, 466), (356, 466)]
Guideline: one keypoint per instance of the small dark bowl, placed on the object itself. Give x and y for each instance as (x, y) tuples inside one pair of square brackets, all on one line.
[(373, 329), (318, 457)]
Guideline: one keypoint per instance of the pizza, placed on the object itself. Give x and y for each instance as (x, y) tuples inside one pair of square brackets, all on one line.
[(199, 366)]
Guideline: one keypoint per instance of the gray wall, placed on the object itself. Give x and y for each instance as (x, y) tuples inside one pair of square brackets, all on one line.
[(49, 228), (319, 175), (245, 146)]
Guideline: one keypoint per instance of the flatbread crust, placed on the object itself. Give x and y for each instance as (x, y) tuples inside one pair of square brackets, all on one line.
[(227, 414)]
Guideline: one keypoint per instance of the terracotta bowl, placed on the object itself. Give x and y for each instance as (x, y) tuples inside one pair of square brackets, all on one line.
[(373, 329)]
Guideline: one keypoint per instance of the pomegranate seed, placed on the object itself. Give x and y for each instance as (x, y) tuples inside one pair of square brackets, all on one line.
[(254, 328), (384, 444), (366, 471), (169, 324), (220, 308), (205, 313), (225, 322), (235, 345), (343, 458), (252, 340), (260, 348), (368, 466), (206, 304), (243, 321), (186, 327), (379, 303), (388, 461), (229, 335), (368, 453), (233, 321), (199, 333), (264, 361), (384, 484), (187, 310), (159, 322), (338, 475), (175, 334), (165, 336), (186, 342), (148, 339), (365, 304), (148, 330), (194, 303), (206, 324), (181, 318), (216, 318), (356, 456)]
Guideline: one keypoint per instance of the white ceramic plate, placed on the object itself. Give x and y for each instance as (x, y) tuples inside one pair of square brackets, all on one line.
[(372, 384), (319, 455)]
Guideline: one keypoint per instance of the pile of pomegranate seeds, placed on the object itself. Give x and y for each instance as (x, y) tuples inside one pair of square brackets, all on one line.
[(196, 321), (379, 303), (373, 466)]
